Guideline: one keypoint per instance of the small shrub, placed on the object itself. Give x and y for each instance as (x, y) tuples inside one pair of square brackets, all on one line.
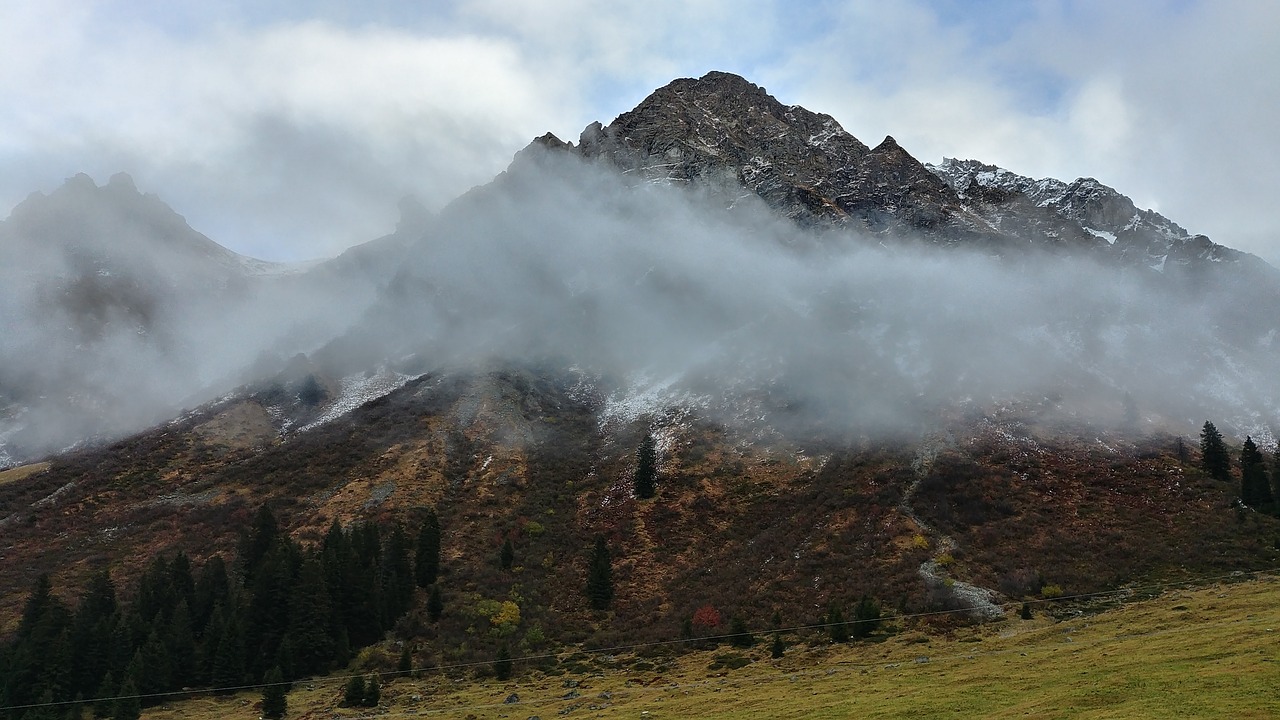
[(706, 618), (729, 661), (1049, 592)]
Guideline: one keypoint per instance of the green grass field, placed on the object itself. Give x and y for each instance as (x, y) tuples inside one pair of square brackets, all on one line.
[(1208, 652)]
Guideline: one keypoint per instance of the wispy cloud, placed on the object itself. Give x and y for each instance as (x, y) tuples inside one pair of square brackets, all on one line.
[(287, 131)]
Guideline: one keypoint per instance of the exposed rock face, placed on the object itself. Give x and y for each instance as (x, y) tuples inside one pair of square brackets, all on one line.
[(725, 131), (1084, 208)]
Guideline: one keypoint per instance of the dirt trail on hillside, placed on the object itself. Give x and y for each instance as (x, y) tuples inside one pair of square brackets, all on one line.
[(981, 602)]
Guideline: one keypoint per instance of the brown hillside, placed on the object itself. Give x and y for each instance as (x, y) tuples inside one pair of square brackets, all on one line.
[(1003, 500)]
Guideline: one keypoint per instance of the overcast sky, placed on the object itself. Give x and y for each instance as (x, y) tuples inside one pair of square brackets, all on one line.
[(289, 130)]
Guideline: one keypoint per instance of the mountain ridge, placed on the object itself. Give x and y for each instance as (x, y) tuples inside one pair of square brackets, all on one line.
[(860, 377)]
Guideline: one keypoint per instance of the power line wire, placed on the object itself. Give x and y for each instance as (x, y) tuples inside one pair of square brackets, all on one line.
[(608, 650)]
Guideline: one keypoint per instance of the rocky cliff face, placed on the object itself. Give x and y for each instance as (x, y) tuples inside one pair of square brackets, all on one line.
[(1082, 208), (729, 133), (725, 132)]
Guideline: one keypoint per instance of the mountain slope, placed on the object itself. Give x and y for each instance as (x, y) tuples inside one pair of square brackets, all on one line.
[(864, 376), (117, 313)]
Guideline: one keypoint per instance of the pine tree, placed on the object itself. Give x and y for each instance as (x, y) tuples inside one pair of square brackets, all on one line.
[(267, 616), (274, 694), (1275, 476), (837, 628), (1025, 613), (405, 664), (180, 646), (779, 648), (41, 662), (363, 612), (103, 703), (227, 670), (507, 557), (310, 639), (128, 706), (396, 576), (91, 632), (372, 692), (739, 635), (353, 693), (502, 664), (866, 617), (646, 468), (1255, 486), (435, 604), (426, 557), (1213, 453), (259, 541), (600, 576), (213, 587)]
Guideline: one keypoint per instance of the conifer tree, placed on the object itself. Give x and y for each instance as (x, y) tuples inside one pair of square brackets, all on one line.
[(258, 541), (310, 636), (227, 670), (426, 557), (372, 692), (103, 703), (600, 576), (363, 612), (1275, 477), (274, 694), (91, 632), (837, 628), (182, 584), (646, 476), (353, 693), (435, 603), (405, 664), (507, 556), (396, 576), (739, 634), (267, 616), (1255, 486), (40, 656), (128, 706), (779, 648), (1213, 453), (213, 587), (180, 646), (502, 664), (866, 617)]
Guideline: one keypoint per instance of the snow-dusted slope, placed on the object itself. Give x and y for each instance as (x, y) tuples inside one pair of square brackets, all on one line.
[(1134, 234)]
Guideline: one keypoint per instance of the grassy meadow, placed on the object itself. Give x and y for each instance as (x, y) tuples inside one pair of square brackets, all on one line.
[(1205, 652)]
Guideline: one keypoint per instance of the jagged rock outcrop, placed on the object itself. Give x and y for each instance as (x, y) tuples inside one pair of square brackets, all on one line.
[(726, 132), (1083, 208)]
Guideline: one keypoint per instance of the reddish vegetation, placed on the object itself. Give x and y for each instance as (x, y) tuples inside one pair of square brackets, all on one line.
[(749, 529)]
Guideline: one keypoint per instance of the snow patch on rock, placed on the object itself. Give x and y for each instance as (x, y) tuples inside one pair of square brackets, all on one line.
[(359, 389)]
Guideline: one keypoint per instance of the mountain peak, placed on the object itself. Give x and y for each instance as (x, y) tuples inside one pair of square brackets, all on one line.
[(122, 181)]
